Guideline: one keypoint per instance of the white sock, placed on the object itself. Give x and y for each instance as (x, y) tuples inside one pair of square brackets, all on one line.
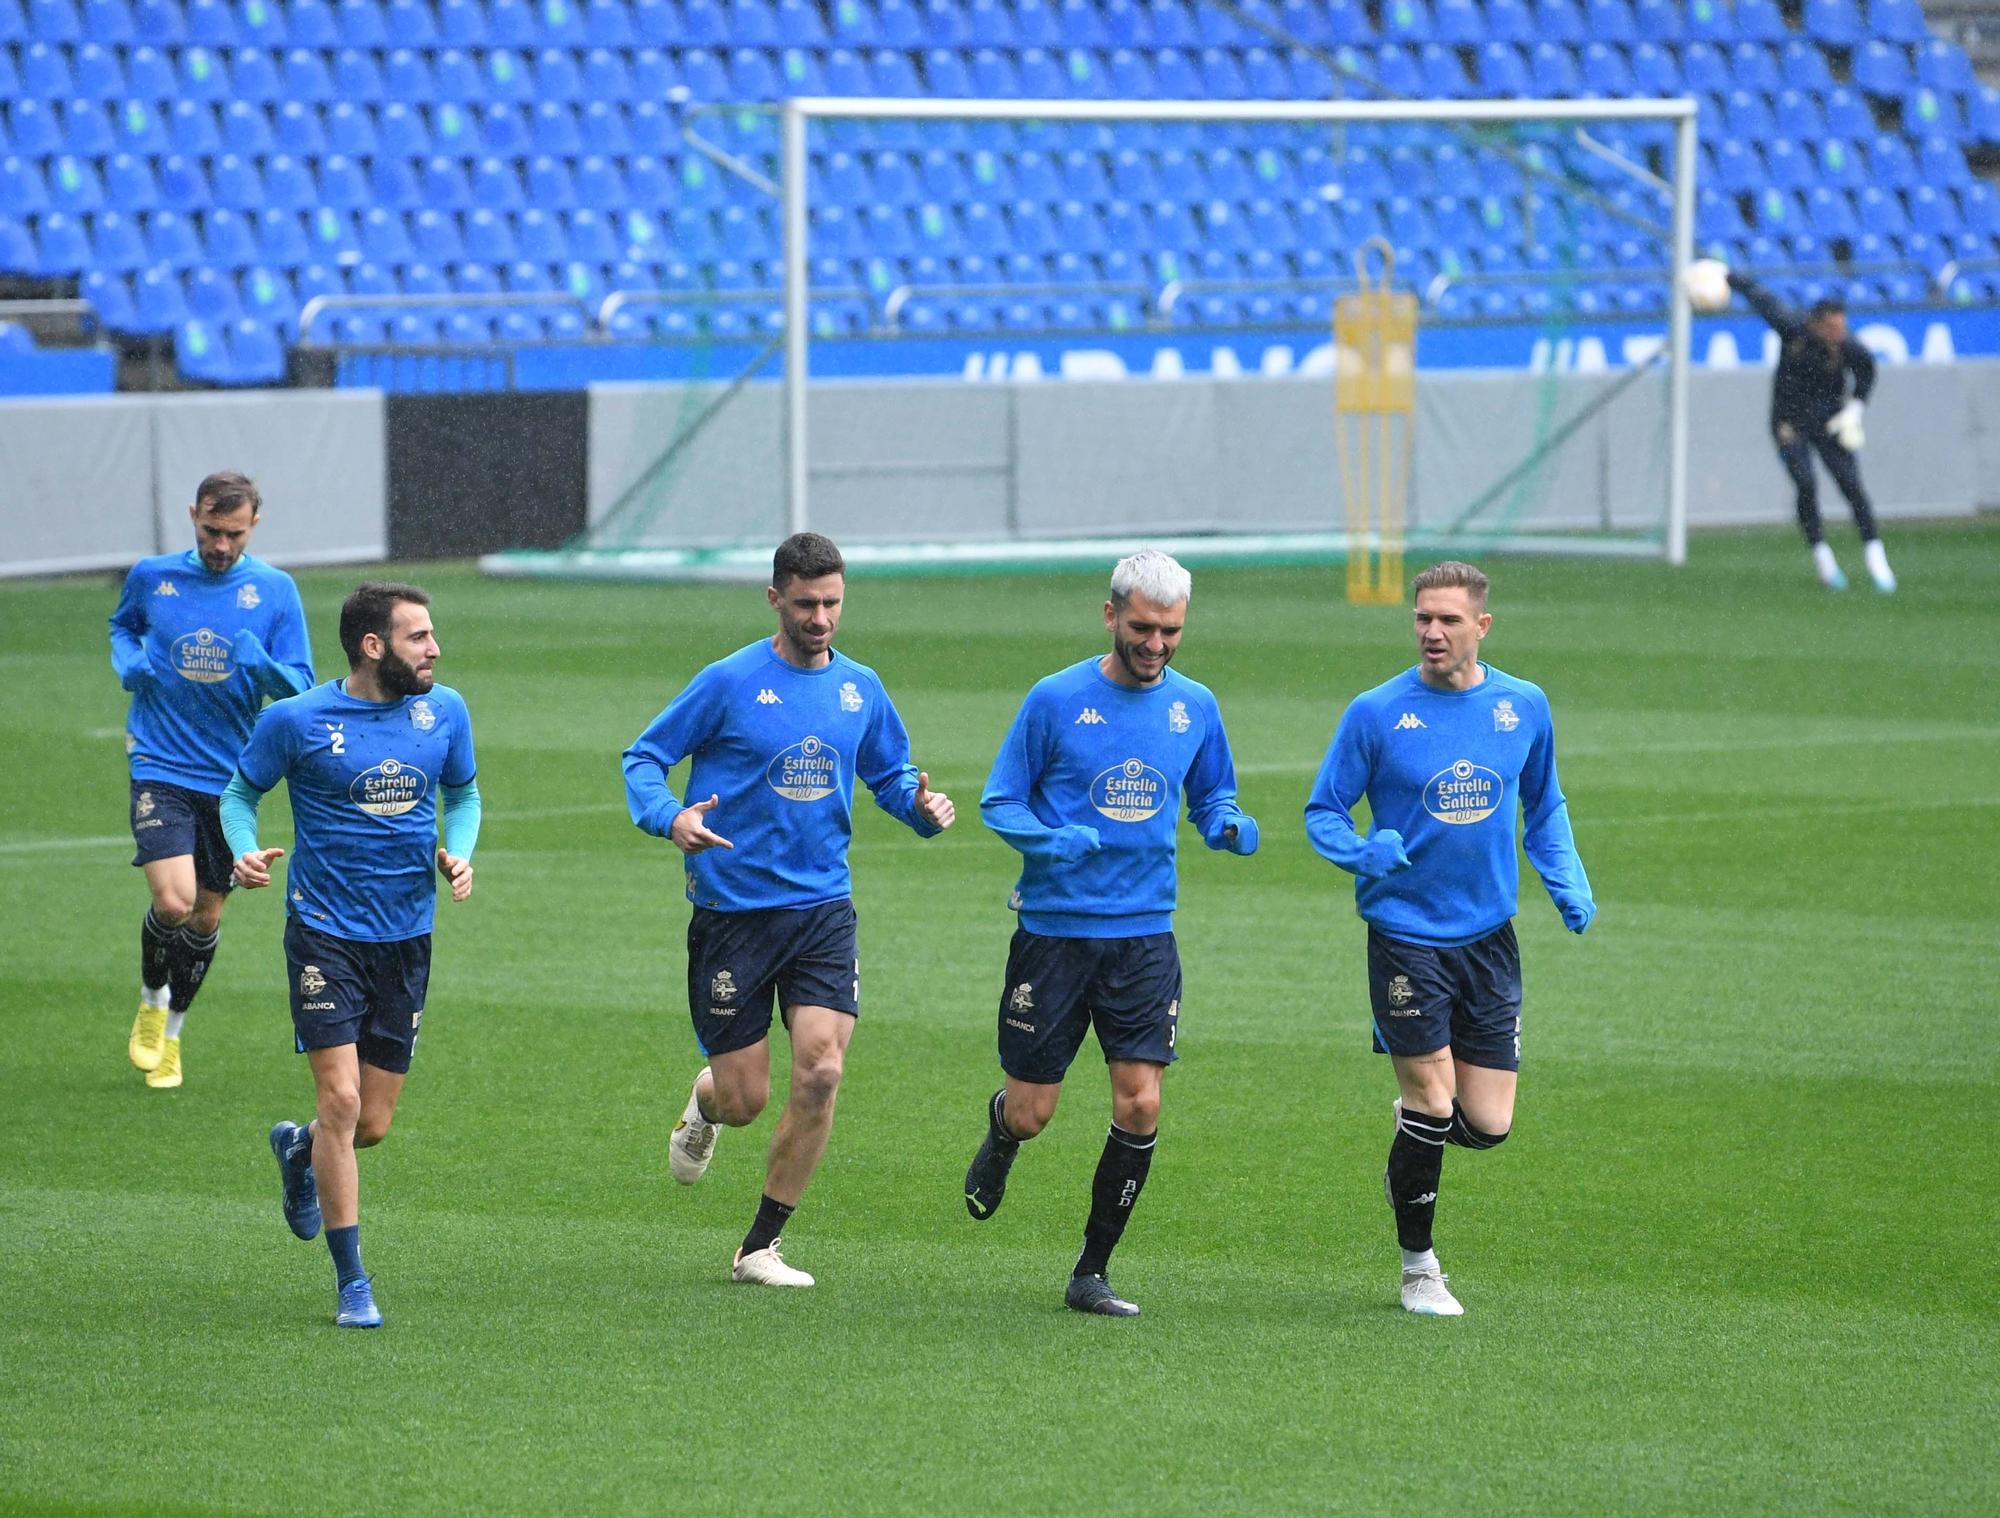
[(1873, 555), (156, 997), (174, 1021), (1420, 1259), (1825, 563)]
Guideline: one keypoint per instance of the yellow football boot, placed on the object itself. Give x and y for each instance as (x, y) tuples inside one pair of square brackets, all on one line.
[(149, 1033), (167, 1074)]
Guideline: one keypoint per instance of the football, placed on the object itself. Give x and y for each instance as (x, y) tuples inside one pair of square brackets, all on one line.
[(1707, 284)]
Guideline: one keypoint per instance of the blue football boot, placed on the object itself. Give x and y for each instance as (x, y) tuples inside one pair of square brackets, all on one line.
[(357, 1305), (296, 1171)]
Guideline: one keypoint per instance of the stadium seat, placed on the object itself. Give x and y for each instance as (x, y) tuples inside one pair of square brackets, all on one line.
[(1881, 69), (1898, 20), (1928, 113), (1835, 21)]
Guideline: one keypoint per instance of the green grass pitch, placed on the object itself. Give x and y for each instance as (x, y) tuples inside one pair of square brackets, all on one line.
[(1739, 1256)]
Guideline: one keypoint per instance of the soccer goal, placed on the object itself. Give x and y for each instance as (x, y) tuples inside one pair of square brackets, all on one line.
[(1063, 326)]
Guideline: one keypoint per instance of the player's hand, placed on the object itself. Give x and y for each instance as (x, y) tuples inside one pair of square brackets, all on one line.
[(1384, 855), (253, 870), (1076, 841), (1240, 837), (1577, 911), (690, 832), (248, 649), (933, 806), (458, 872), (1846, 427), (141, 671)]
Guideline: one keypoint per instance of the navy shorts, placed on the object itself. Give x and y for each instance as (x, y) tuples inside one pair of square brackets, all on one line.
[(737, 960), (347, 991), (1468, 997), (171, 820), (1058, 988)]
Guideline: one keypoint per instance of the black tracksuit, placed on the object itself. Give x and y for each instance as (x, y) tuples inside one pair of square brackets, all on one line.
[(1809, 388)]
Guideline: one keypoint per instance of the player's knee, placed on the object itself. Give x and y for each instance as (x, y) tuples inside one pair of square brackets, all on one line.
[(1136, 1112), (371, 1128), (172, 907), (817, 1081), (738, 1106), (339, 1108), (205, 917)]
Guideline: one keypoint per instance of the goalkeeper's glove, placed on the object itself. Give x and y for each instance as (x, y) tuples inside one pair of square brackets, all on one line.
[(1846, 427), (1383, 855)]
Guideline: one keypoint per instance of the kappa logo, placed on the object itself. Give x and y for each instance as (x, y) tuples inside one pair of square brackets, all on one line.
[(311, 981), (248, 599), (144, 806), (1407, 721), (850, 697), (769, 697), (165, 588), (1177, 717), (1505, 718), (1088, 717), (1023, 999), (423, 716), (1014, 900)]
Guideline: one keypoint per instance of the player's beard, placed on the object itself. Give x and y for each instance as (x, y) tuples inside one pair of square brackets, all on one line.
[(799, 640), (401, 678), (1123, 650)]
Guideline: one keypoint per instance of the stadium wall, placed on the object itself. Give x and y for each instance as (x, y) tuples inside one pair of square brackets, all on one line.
[(923, 461), (95, 483), (99, 483)]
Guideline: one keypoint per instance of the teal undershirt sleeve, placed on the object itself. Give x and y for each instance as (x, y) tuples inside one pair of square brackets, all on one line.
[(461, 819), (238, 809)]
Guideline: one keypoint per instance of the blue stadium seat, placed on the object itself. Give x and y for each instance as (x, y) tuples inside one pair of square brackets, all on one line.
[(1654, 71), (74, 184), (1835, 21), (1930, 209), (1944, 66), (1847, 114), (1928, 113), (1882, 69), (1408, 21), (1749, 115), (1802, 65), (409, 23), (1554, 71), (116, 243), (1705, 68), (281, 238), (1830, 212), (1611, 21), (442, 185), (1897, 20), (1797, 114), (342, 184), (288, 183), (1752, 66), (211, 295), (1661, 20), (1941, 161), (1605, 71), (1840, 165)]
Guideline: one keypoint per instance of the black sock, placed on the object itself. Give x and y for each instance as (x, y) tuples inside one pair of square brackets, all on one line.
[(156, 946), (996, 1122), (1121, 1175), (770, 1223), (1466, 1136), (188, 963), (1416, 1160)]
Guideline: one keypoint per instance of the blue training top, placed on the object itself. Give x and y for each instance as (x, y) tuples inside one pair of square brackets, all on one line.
[(364, 779), (1086, 784), (782, 747), (1450, 771), (200, 652)]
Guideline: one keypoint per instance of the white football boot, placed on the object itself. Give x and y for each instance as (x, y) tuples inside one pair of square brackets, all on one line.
[(765, 1267), (1425, 1292), (692, 1144)]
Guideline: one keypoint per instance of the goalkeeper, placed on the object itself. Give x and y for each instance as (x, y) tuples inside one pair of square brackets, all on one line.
[(1812, 409)]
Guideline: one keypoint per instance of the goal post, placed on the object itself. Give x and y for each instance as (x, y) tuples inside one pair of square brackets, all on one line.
[(794, 179)]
